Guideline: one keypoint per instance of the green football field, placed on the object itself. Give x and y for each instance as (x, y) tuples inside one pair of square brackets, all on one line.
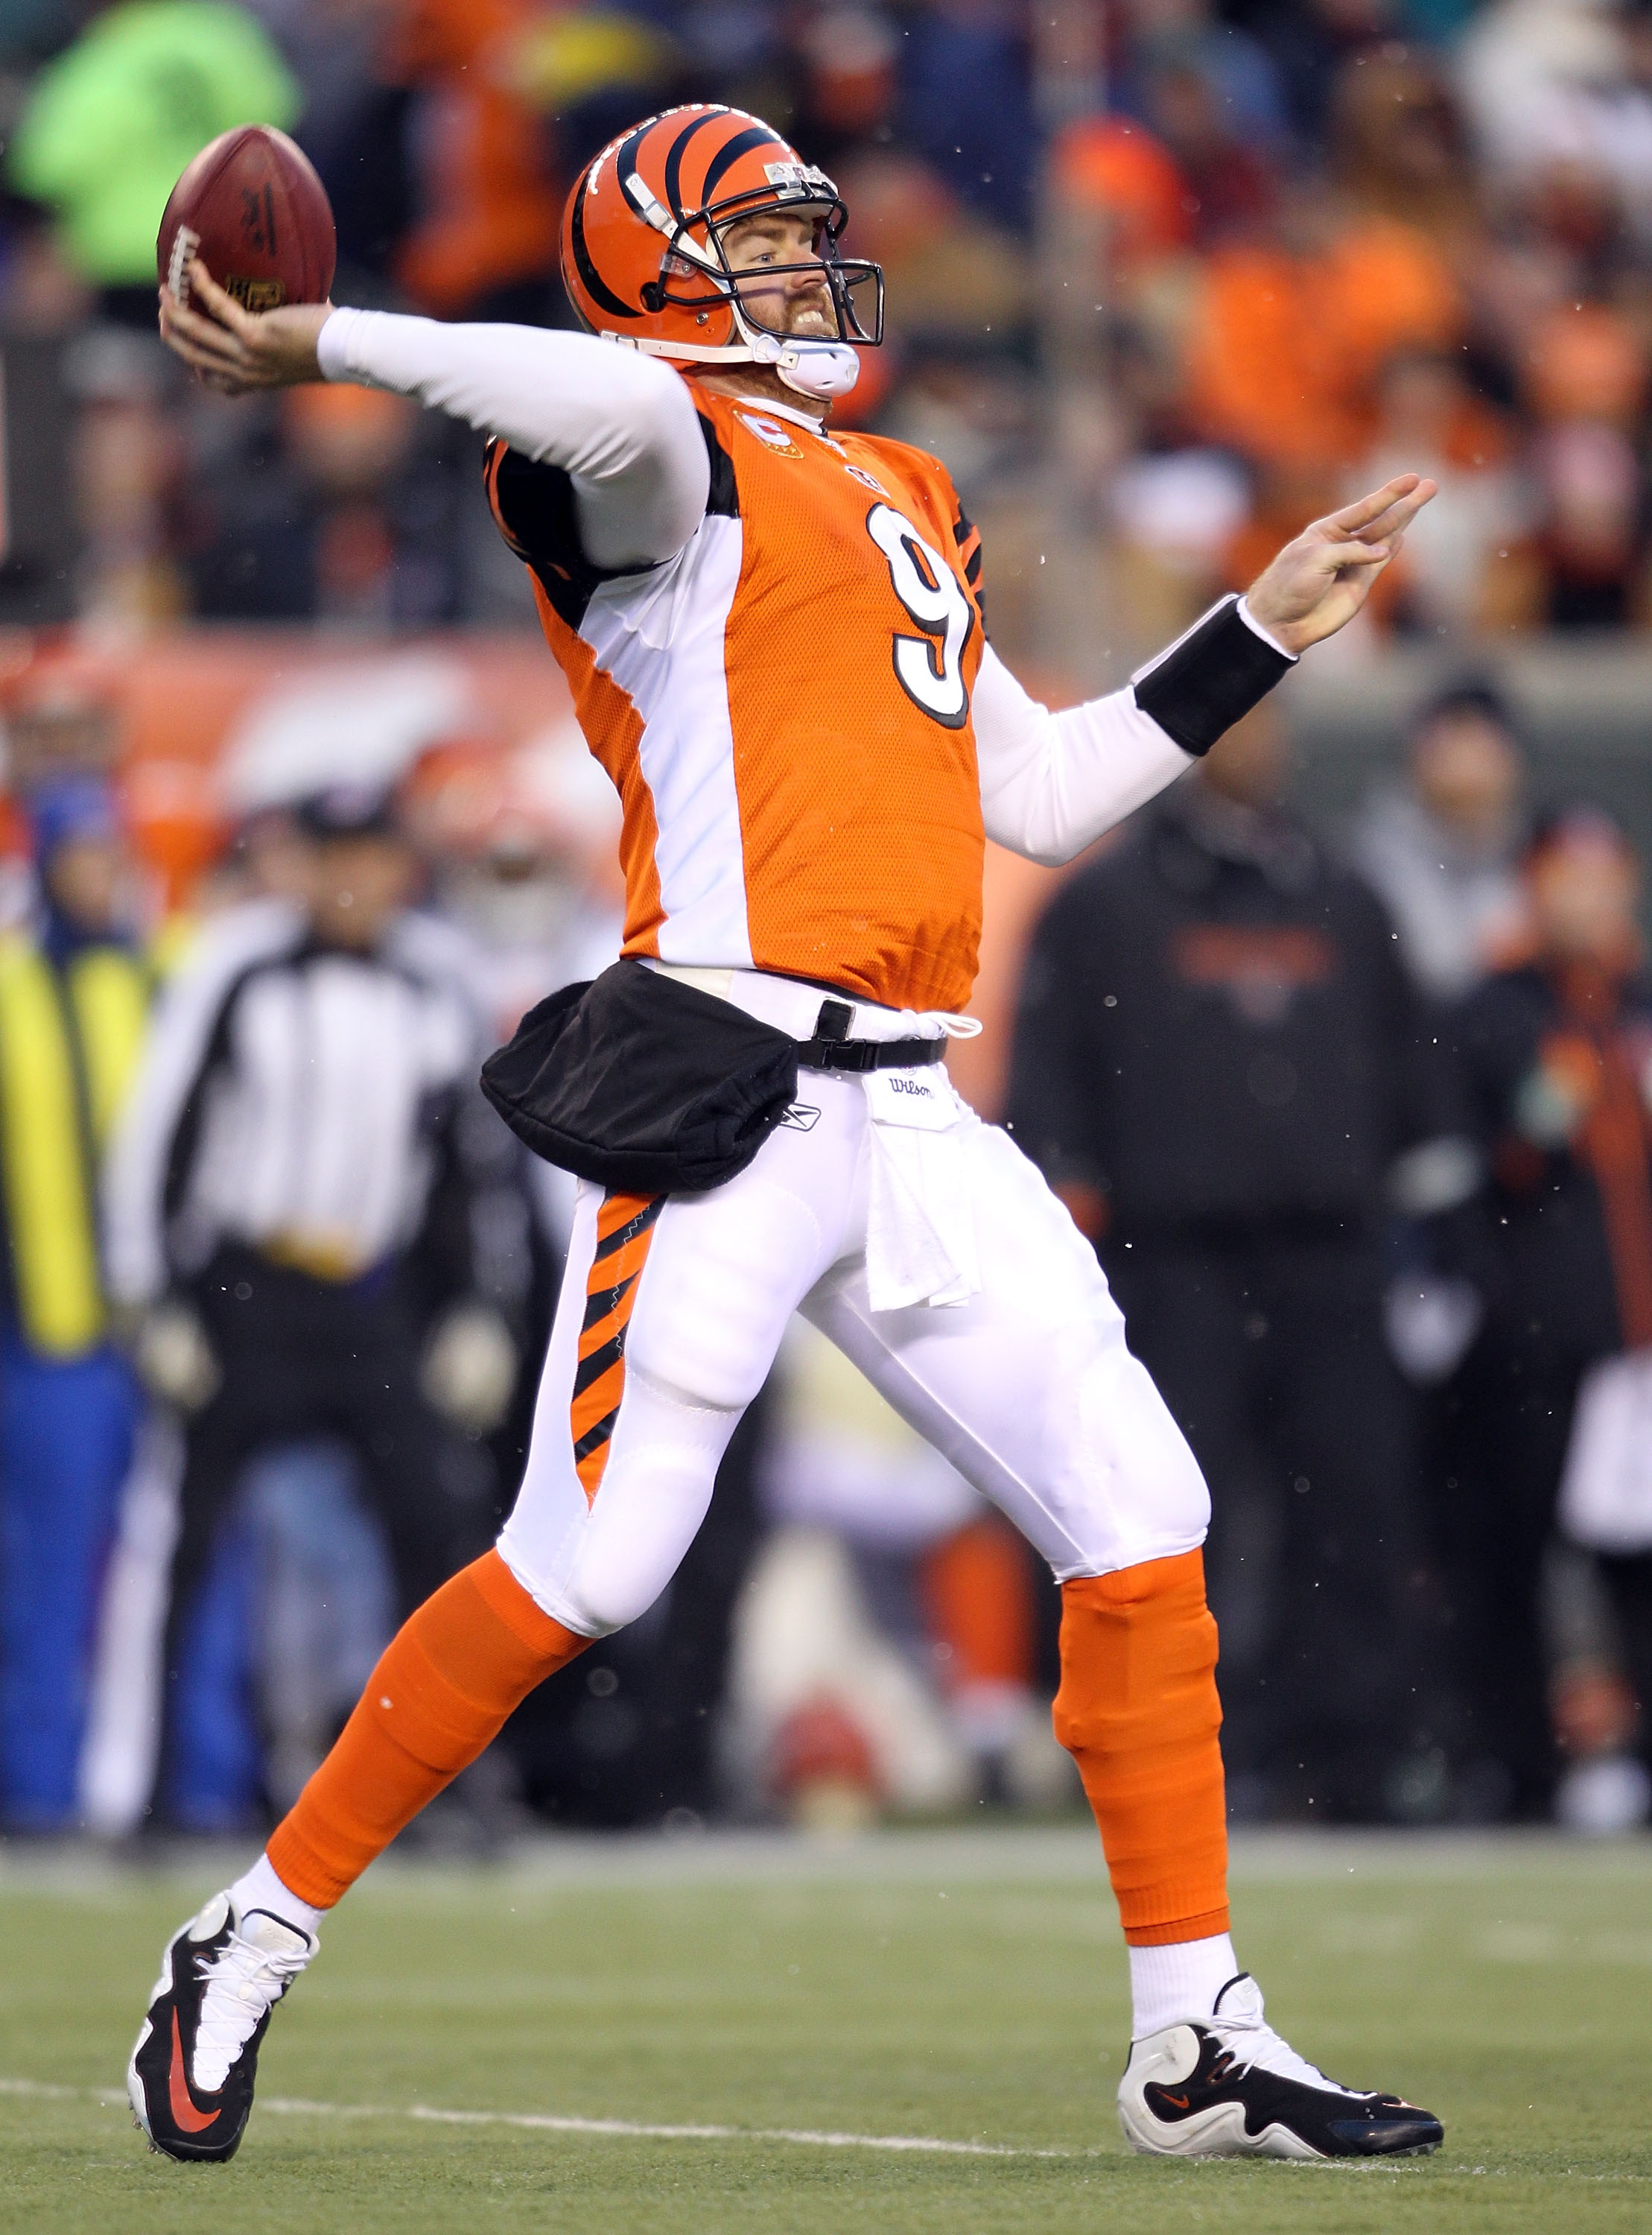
[(917, 2031)]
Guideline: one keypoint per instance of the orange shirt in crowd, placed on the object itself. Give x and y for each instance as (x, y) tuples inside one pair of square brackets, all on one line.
[(1120, 169), (1285, 348), (489, 208)]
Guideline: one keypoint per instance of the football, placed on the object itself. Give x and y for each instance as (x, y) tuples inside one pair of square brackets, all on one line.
[(251, 207)]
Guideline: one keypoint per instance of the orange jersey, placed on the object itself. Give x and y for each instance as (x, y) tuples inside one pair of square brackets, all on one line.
[(784, 706)]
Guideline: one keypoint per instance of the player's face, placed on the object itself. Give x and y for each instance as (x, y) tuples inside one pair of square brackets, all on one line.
[(795, 302)]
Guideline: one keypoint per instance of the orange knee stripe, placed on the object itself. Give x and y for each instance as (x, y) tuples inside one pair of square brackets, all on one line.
[(1138, 1710), (441, 1691)]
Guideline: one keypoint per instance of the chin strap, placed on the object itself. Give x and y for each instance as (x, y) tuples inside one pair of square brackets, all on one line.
[(822, 370)]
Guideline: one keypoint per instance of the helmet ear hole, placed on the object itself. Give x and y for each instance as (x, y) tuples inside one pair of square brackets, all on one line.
[(653, 295)]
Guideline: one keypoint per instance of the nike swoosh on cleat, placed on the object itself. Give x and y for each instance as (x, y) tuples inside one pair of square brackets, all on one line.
[(1180, 2101), (183, 2109)]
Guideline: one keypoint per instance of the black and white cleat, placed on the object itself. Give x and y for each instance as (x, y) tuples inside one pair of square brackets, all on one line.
[(1227, 2086), (190, 2080)]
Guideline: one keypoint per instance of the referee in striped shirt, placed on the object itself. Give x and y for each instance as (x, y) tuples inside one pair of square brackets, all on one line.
[(289, 1201)]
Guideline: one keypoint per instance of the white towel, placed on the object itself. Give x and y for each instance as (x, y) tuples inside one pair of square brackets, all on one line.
[(920, 1221)]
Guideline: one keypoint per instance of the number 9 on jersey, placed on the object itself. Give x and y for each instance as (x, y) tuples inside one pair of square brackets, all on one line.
[(930, 667)]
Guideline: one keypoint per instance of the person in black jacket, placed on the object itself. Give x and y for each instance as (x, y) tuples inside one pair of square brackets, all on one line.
[(1558, 1049), (1220, 1062)]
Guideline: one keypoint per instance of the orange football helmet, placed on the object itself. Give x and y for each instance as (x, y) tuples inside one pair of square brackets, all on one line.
[(643, 257)]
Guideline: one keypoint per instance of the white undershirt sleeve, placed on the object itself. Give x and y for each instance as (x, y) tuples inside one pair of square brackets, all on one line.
[(622, 425), (1052, 783)]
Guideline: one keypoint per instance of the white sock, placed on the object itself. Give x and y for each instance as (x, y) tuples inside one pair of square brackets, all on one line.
[(1169, 1985), (261, 1889)]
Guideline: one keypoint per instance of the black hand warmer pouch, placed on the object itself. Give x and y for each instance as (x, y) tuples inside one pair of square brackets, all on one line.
[(643, 1083)]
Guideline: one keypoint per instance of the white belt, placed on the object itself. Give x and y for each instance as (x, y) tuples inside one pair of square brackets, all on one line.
[(794, 1009)]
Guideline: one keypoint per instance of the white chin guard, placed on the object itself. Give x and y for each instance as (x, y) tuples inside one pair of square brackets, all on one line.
[(823, 369)]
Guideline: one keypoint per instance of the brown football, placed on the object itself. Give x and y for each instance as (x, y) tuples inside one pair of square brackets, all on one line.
[(252, 209)]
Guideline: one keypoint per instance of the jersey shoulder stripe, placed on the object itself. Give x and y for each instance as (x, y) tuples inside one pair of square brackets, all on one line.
[(534, 509), (723, 502)]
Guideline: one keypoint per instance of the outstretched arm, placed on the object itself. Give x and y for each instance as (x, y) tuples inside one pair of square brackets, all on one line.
[(1052, 783), (621, 425)]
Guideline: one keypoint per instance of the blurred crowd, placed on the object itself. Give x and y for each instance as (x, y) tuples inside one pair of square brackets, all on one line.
[(1165, 277), (1359, 1118)]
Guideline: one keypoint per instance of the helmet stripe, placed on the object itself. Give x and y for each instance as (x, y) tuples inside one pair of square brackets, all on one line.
[(625, 158), (674, 160), (755, 135), (600, 293)]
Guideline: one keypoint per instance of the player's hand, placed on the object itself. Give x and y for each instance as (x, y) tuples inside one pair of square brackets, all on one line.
[(1318, 583), (234, 350)]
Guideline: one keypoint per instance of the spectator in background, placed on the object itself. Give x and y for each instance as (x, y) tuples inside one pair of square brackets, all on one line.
[(1237, 71), (73, 1002), (1586, 379), (1399, 149), (1477, 567), (1442, 849), (850, 81), (442, 129), (484, 206), (353, 520), (126, 457), (1543, 83), (945, 233), (289, 1206), (1218, 1061), (1313, 44), (1294, 326), (1556, 1052), (1210, 99), (111, 122), (966, 105)]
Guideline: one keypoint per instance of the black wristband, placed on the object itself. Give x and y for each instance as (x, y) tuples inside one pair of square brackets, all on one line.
[(1208, 677)]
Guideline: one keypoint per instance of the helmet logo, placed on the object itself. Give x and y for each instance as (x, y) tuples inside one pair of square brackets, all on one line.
[(794, 178)]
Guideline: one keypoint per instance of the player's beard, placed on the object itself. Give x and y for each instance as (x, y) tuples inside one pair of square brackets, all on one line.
[(809, 320)]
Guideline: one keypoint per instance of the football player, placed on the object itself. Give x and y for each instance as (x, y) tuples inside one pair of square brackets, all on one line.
[(776, 643)]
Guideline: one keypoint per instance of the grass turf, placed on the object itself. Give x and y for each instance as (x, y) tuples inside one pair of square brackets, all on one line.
[(954, 1986)]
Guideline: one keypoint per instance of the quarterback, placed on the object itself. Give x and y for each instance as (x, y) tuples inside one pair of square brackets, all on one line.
[(775, 638)]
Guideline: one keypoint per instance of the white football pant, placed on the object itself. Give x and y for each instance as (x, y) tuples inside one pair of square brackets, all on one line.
[(1027, 1388)]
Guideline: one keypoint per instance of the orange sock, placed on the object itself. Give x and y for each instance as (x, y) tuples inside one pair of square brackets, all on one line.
[(443, 1689), (1138, 1711)]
